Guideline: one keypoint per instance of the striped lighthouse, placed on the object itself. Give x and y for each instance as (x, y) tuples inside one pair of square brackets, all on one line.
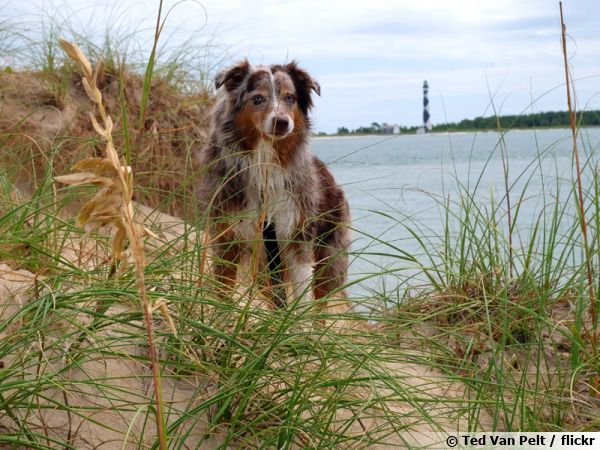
[(426, 121)]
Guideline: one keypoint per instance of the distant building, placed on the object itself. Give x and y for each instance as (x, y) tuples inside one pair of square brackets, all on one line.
[(426, 116), (387, 128)]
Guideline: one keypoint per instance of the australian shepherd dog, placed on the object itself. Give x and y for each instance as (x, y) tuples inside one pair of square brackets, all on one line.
[(263, 184)]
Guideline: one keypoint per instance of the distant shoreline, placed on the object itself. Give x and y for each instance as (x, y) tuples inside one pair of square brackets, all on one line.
[(357, 135), (541, 120)]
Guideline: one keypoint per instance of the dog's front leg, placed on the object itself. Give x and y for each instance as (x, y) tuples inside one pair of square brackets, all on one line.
[(298, 262), (228, 254)]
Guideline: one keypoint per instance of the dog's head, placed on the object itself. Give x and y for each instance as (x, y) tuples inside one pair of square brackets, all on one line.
[(269, 101)]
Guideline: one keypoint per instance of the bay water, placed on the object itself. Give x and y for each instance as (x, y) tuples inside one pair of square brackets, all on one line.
[(396, 185)]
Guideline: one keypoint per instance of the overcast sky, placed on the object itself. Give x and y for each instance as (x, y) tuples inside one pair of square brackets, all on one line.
[(371, 57)]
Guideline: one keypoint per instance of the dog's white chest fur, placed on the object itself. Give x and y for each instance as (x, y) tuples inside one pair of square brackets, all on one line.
[(268, 194)]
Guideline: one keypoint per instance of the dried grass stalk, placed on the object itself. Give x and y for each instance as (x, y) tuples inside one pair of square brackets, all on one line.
[(593, 334), (112, 206)]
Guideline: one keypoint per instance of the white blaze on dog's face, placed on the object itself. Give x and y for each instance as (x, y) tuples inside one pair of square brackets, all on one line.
[(271, 101)]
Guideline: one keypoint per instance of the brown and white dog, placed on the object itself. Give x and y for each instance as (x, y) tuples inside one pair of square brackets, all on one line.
[(262, 181)]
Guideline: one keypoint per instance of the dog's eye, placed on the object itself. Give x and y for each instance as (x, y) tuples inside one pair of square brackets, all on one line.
[(258, 99), (290, 98)]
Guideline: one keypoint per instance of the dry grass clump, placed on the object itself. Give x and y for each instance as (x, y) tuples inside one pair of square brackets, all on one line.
[(512, 341), (42, 111)]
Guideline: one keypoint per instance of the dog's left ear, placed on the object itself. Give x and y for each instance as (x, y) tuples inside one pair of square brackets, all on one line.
[(233, 76), (304, 85)]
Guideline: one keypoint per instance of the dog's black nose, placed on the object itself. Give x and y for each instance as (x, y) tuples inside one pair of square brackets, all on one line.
[(280, 125)]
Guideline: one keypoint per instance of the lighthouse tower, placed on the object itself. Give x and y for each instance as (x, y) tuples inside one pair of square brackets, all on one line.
[(426, 121)]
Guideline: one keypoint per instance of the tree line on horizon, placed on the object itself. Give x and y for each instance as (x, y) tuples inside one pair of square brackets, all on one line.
[(548, 119)]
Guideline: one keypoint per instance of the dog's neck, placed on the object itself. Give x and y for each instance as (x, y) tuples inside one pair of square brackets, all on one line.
[(264, 153), (268, 180)]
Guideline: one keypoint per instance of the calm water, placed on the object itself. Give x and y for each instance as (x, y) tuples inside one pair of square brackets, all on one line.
[(395, 182)]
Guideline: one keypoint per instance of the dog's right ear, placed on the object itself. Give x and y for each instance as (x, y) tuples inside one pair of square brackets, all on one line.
[(233, 76)]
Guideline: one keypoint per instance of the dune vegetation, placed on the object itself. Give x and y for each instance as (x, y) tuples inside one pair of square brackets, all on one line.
[(113, 335)]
